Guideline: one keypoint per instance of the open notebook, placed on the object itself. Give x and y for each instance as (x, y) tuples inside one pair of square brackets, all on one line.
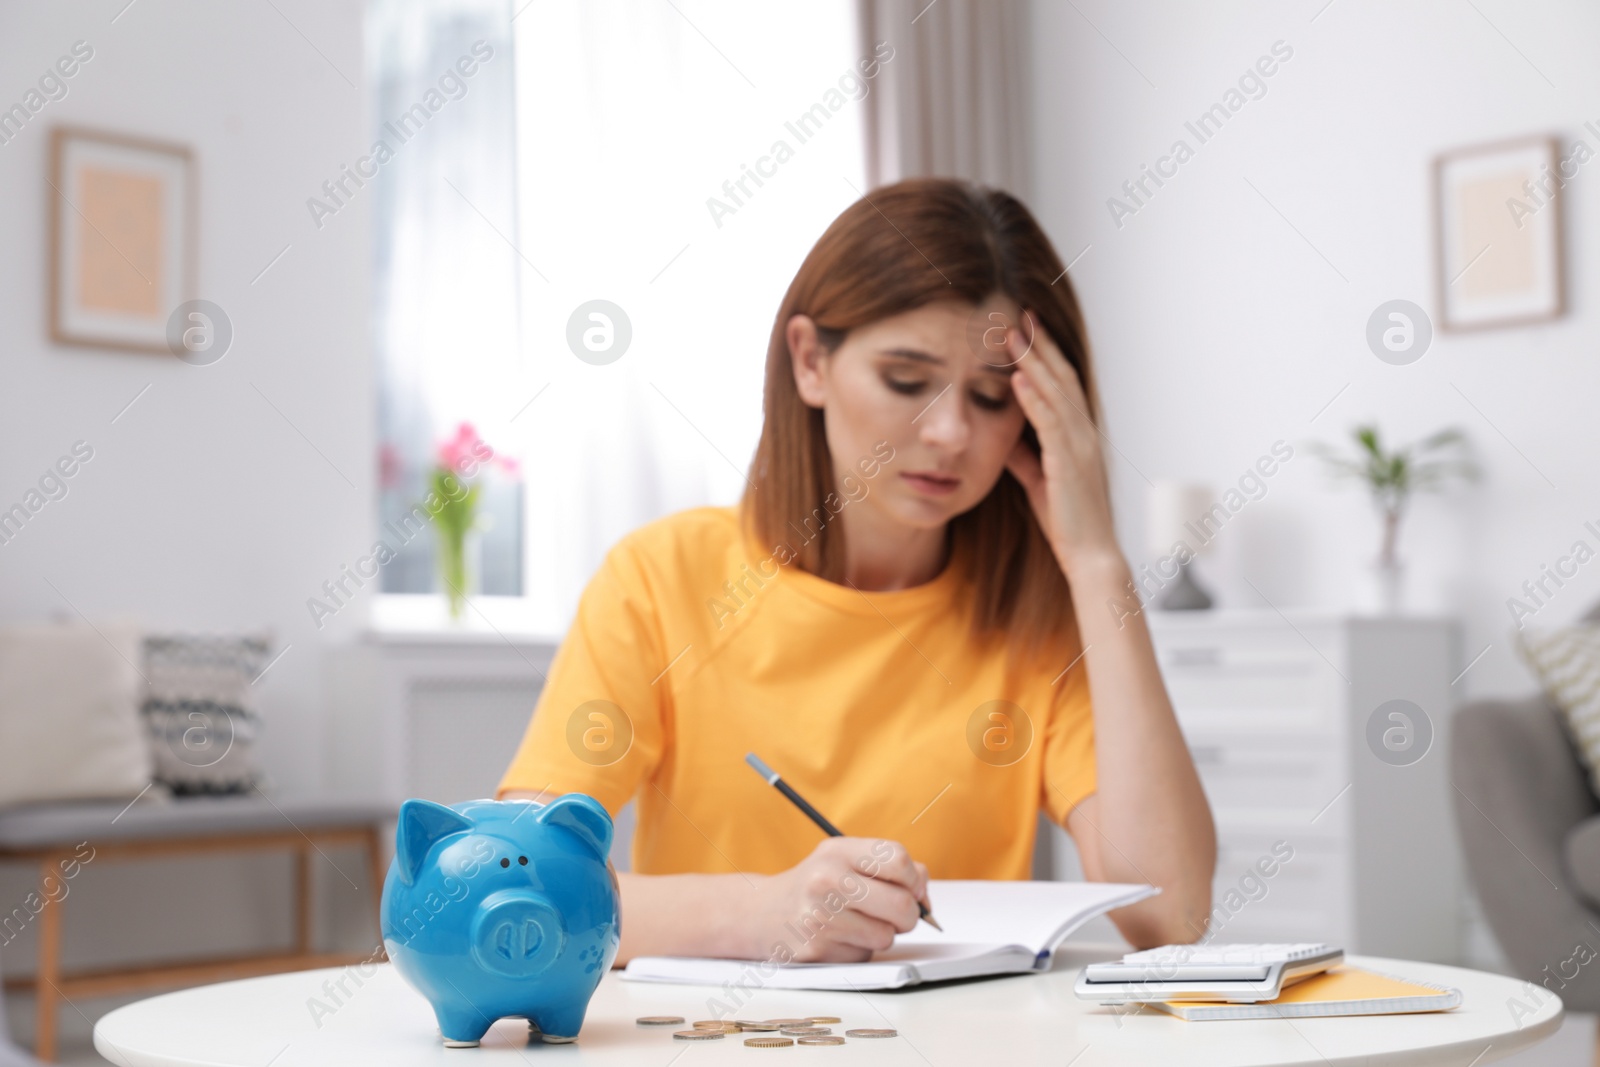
[(990, 927)]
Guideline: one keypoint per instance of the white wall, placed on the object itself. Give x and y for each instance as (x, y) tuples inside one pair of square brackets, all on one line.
[(202, 509), (1218, 329)]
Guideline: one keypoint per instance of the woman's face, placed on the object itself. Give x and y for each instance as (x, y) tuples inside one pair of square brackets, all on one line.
[(934, 382)]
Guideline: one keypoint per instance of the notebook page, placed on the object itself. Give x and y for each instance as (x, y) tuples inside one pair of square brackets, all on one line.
[(717, 972), (1031, 914), (897, 967)]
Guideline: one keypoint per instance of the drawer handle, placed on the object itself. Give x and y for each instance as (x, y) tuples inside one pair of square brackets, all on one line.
[(1196, 657)]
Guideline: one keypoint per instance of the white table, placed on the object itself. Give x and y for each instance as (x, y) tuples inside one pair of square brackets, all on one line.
[(1022, 1019)]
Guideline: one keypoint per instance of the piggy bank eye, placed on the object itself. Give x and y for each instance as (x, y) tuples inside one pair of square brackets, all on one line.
[(522, 860), (505, 863)]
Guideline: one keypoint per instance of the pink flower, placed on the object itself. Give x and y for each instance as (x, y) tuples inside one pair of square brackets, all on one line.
[(465, 453), (459, 451), (388, 465)]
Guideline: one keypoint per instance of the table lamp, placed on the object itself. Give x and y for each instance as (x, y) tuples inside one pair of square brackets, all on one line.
[(1173, 516)]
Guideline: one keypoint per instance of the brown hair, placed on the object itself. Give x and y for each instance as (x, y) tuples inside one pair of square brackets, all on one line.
[(896, 249)]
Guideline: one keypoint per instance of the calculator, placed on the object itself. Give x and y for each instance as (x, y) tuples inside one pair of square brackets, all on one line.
[(1234, 973)]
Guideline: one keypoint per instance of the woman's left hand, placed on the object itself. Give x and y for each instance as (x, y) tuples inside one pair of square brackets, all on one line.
[(1066, 483)]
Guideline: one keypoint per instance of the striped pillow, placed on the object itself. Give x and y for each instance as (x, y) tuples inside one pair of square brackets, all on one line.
[(1567, 663), (200, 711)]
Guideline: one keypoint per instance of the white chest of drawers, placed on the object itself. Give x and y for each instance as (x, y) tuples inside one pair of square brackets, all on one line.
[(1352, 820)]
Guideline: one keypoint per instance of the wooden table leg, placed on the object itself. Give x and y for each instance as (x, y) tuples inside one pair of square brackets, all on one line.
[(47, 992), (301, 859), (376, 873)]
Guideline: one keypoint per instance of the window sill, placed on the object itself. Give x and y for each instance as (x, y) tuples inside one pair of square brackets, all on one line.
[(403, 618)]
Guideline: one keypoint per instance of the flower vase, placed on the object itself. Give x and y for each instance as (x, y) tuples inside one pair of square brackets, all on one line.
[(1388, 583), (460, 568)]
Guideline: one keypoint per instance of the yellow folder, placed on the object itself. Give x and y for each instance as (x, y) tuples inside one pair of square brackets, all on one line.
[(1343, 990)]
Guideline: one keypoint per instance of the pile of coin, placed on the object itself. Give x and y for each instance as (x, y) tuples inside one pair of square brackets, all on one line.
[(768, 1033)]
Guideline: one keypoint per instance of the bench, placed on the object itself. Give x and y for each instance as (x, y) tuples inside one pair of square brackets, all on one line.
[(48, 836)]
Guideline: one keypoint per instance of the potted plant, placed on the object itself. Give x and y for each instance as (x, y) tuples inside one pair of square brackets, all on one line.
[(1391, 477)]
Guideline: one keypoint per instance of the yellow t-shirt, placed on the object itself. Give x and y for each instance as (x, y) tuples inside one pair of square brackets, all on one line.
[(692, 647)]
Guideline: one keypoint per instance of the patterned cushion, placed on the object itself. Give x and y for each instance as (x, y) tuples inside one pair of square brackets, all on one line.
[(200, 715), (1567, 663)]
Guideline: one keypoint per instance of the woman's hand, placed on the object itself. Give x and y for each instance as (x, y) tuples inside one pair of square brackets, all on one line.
[(1066, 482), (841, 903)]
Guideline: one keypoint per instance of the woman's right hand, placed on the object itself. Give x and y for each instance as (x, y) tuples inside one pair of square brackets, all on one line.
[(841, 903)]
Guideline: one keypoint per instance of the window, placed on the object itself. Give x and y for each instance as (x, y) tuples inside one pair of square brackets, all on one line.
[(676, 161), (444, 282)]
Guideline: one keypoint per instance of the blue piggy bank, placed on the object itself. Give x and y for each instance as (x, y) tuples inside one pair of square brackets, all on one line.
[(503, 908)]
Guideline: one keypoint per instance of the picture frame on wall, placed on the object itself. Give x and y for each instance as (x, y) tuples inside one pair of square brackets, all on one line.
[(1497, 228), (122, 238)]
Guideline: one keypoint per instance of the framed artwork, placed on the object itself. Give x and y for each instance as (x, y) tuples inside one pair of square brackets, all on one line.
[(122, 238), (1497, 223)]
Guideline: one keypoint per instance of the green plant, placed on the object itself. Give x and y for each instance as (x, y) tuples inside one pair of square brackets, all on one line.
[(454, 520), (1392, 476), (459, 459)]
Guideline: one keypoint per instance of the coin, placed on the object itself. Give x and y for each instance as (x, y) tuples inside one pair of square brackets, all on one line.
[(757, 1027), (769, 1042), (748, 1022), (659, 1020), (825, 1019), (697, 1035), (872, 1032), (790, 1022), (712, 1024), (807, 1031), (821, 1039)]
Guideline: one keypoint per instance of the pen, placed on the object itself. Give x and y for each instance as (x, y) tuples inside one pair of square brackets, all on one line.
[(816, 816)]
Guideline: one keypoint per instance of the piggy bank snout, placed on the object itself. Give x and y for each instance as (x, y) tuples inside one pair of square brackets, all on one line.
[(517, 933)]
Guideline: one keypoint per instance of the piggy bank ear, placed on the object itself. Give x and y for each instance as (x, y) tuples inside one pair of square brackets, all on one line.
[(422, 822), (584, 816)]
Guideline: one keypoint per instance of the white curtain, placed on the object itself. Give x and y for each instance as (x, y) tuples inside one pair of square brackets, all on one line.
[(953, 101), (631, 117)]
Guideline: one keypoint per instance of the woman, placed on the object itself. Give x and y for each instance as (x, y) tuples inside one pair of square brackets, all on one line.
[(918, 615)]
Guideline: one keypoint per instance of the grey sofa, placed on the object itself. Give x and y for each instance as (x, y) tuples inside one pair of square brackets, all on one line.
[(1530, 831)]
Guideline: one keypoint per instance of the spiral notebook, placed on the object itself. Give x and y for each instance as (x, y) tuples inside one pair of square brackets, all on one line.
[(990, 927), (1344, 990)]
